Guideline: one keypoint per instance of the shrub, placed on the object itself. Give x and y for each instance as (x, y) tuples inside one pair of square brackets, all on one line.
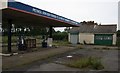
[(118, 41), (89, 62), (106, 48), (96, 63), (60, 36), (96, 48), (79, 47)]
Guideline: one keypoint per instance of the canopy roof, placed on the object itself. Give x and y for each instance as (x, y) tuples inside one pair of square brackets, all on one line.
[(25, 15)]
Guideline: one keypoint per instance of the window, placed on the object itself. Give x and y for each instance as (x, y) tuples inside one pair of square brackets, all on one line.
[(107, 38), (99, 38)]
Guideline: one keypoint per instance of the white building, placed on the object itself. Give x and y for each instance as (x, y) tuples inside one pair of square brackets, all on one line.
[(91, 33)]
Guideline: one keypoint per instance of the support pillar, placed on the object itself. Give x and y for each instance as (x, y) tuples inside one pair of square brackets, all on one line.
[(9, 34), (49, 41), (50, 32)]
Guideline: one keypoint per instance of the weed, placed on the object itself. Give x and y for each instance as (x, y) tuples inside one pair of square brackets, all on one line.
[(88, 62), (96, 48), (79, 47), (106, 48)]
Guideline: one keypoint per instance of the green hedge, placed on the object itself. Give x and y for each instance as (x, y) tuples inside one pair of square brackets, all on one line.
[(60, 36)]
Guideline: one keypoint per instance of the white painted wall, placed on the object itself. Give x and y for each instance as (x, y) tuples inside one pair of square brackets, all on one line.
[(68, 37), (87, 37), (114, 38), (3, 4)]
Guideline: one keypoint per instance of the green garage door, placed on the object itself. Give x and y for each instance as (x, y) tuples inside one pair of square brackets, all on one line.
[(103, 39)]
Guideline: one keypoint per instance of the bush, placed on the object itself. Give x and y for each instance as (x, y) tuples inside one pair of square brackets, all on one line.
[(79, 47), (106, 48), (89, 62), (60, 36), (96, 64), (118, 41), (5, 39)]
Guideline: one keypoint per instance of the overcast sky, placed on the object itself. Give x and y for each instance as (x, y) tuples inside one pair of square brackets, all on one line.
[(100, 11)]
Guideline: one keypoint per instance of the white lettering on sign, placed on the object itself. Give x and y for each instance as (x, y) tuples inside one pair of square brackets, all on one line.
[(37, 11), (53, 15)]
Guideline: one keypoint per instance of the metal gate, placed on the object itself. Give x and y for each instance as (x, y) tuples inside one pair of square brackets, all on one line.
[(74, 38)]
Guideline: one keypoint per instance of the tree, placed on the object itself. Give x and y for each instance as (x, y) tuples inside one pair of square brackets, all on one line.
[(118, 33), (118, 38), (60, 36), (89, 22), (67, 29)]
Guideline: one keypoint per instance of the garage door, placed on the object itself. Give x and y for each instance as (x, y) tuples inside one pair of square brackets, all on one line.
[(74, 38), (103, 39)]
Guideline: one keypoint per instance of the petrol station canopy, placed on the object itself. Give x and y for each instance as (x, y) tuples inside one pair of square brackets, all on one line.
[(26, 15)]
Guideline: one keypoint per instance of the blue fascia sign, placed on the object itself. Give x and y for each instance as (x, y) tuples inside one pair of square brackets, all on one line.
[(34, 10)]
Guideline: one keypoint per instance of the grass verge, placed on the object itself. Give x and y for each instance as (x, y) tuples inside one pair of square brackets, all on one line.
[(61, 43)]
